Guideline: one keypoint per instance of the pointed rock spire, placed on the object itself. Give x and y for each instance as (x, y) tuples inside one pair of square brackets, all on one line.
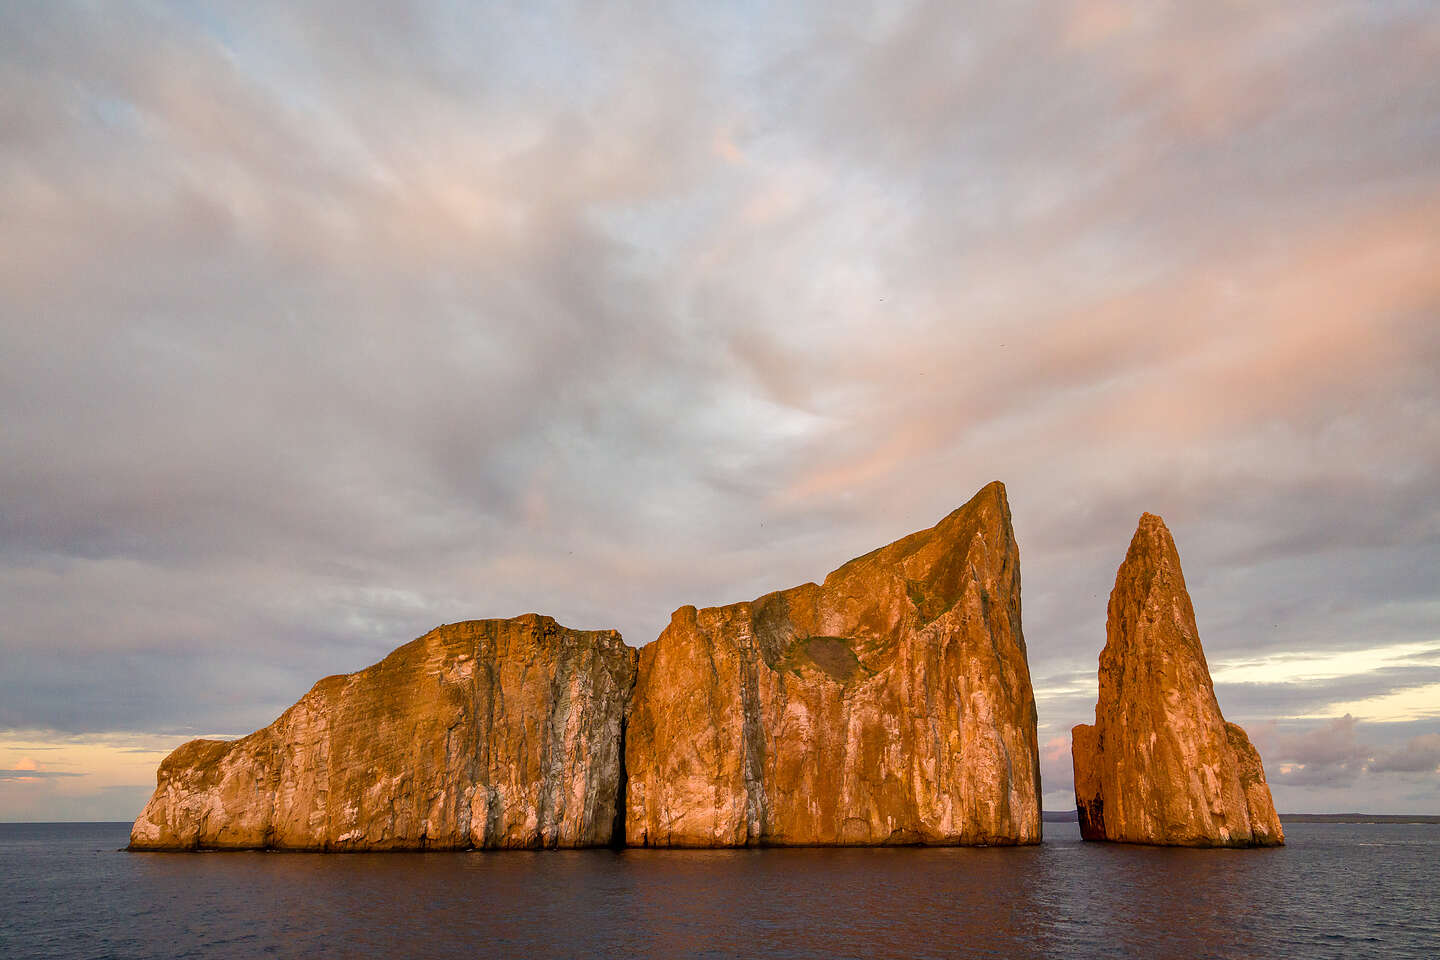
[(1161, 765)]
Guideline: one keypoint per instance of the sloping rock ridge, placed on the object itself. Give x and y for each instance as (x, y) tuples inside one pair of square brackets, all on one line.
[(890, 704), (1161, 765), (484, 734)]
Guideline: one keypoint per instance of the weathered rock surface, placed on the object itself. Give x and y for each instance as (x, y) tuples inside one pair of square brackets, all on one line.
[(490, 733), (1161, 765), (890, 704)]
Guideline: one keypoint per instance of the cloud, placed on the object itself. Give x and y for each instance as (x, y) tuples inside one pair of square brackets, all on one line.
[(1419, 755), (1366, 693), (28, 770), (24, 775), (1057, 772), (1328, 755), (323, 328), (1332, 754)]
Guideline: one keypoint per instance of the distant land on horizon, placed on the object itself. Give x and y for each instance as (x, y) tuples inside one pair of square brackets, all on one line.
[(1070, 816), (1360, 818)]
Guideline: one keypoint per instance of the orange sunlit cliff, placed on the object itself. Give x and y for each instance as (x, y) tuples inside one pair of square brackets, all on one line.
[(890, 704), (1160, 765)]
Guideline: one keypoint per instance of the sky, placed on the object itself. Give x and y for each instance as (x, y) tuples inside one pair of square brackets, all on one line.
[(322, 324)]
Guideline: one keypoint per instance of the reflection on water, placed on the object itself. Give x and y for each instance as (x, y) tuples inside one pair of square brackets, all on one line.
[(1338, 890)]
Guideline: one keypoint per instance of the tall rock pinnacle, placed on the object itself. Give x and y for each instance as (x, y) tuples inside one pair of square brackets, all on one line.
[(1161, 765), (890, 704)]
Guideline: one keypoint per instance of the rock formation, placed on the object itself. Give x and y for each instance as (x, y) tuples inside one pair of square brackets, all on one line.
[(491, 733), (890, 704), (1161, 765)]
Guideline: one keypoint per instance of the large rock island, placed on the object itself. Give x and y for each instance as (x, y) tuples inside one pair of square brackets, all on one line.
[(1161, 765), (490, 733), (890, 704)]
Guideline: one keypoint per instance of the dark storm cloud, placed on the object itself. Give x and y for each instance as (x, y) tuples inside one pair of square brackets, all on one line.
[(324, 324)]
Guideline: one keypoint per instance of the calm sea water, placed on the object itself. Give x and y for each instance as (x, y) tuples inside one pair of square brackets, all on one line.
[(1337, 890)]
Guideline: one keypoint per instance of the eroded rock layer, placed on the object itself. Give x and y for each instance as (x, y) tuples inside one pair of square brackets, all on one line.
[(1161, 765), (489, 733), (890, 704)]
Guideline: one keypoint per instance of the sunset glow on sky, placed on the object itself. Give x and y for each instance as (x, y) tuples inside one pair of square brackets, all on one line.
[(324, 324)]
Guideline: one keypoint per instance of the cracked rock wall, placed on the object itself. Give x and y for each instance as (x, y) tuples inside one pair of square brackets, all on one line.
[(488, 733), (890, 704)]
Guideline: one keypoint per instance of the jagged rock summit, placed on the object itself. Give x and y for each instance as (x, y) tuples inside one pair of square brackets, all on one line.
[(890, 704), (489, 733), (1161, 765)]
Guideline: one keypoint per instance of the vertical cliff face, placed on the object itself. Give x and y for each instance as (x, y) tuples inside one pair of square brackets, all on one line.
[(490, 733), (1089, 804), (890, 704), (1265, 829), (1161, 765)]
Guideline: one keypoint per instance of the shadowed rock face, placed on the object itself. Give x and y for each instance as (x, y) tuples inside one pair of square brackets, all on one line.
[(1161, 765), (490, 733), (890, 704)]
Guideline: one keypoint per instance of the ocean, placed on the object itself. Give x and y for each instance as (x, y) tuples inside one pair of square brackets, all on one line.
[(1336, 890)]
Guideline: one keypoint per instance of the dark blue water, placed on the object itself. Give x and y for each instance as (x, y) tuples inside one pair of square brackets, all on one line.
[(1337, 890)]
